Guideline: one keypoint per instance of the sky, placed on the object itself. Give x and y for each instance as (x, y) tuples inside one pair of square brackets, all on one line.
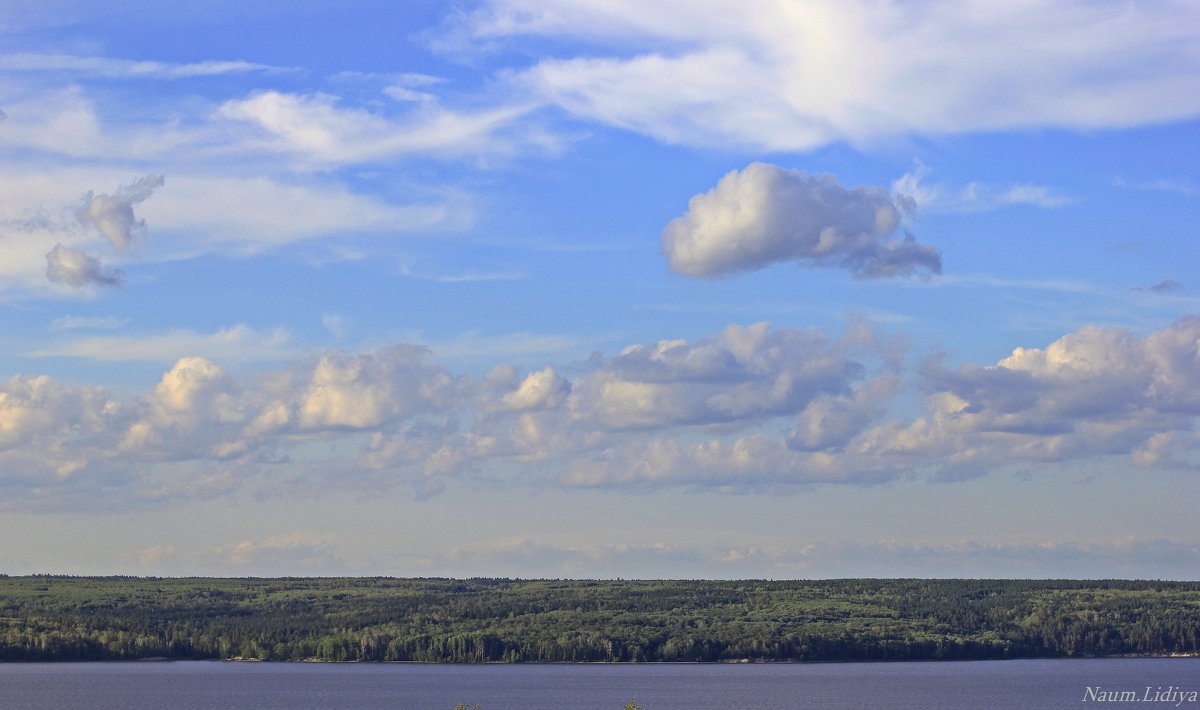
[(600, 288)]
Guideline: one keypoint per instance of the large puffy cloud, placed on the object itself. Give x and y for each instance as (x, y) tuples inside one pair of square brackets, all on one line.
[(742, 374), (195, 411), (53, 434), (364, 391), (765, 214), (1095, 391), (78, 269), (796, 75)]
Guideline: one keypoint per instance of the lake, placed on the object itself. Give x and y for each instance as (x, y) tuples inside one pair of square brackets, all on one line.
[(183, 685)]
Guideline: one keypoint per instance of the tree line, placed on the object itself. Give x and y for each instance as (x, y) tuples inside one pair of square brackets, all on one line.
[(503, 620)]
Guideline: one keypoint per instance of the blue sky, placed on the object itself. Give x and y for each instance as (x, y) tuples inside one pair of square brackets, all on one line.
[(597, 289)]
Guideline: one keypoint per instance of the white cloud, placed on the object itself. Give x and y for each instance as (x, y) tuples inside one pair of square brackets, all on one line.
[(974, 196), (205, 213), (314, 128), (60, 121), (70, 322), (750, 409), (1178, 186), (112, 215), (365, 391), (112, 67), (239, 342), (832, 421), (797, 75), (202, 213), (543, 389), (79, 270), (744, 373), (1095, 392), (765, 214), (54, 438)]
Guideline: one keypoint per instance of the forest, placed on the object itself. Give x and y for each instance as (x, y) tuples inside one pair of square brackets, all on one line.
[(56, 618)]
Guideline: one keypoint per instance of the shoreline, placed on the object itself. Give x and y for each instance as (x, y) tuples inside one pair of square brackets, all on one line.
[(739, 662)]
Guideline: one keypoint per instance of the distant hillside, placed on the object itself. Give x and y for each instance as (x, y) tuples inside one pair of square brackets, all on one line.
[(482, 620)]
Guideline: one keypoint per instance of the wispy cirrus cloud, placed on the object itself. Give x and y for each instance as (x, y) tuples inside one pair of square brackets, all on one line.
[(237, 343), (117, 68), (315, 129), (1178, 186), (800, 75), (974, 196), (71, 322)]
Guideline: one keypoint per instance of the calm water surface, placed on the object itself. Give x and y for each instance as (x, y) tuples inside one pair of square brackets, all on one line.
[(185, 685)]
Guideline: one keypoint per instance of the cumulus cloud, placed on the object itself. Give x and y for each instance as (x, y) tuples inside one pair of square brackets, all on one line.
[(79, 270), (797, 75), (56, 438), (743, 373), (364, 391), (832, 421), (194, 412), (765, 214), (1094, 392), (112, 215), (539, 390), (749, 409)]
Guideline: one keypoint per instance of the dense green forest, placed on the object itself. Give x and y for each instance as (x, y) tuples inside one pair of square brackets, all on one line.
[(481, 620)]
